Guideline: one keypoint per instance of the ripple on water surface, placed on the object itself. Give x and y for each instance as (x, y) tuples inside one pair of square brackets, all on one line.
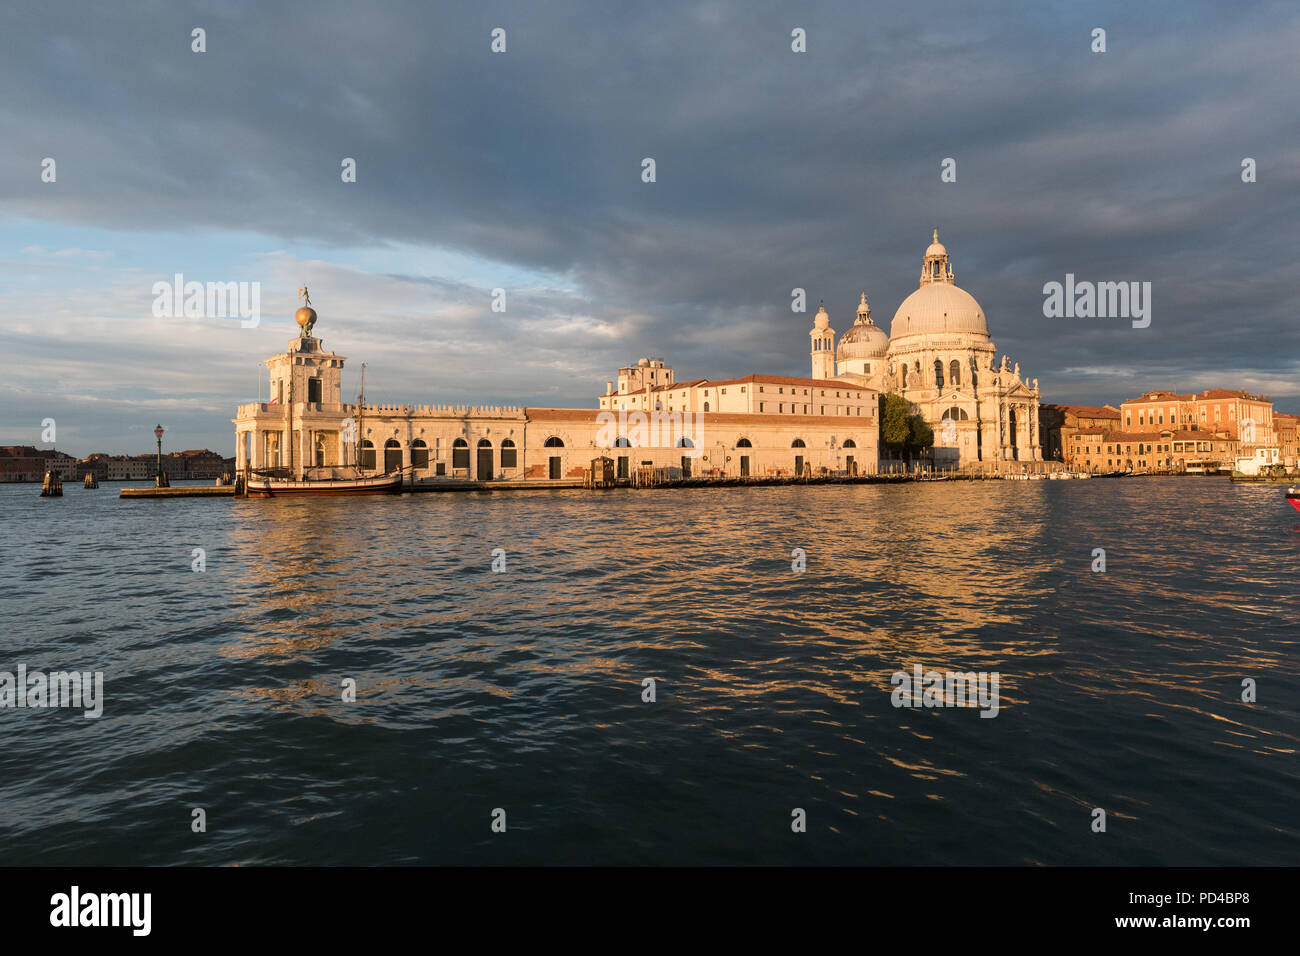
[(523, 689)]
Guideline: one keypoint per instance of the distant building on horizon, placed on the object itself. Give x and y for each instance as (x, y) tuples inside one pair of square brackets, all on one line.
[(28, 463)]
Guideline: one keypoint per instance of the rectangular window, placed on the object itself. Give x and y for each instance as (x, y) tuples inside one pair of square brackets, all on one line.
[(313, 390), (509, 457)]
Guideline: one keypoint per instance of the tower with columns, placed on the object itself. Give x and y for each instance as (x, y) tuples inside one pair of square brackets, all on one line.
[(823, 345)]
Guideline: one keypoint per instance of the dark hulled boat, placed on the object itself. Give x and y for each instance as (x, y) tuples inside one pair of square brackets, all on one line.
[(265, 486)]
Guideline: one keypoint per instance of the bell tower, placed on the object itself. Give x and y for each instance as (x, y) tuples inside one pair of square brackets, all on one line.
[(823, 345)]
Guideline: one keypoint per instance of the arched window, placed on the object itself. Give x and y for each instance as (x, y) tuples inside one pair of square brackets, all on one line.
[(744, 443), (419, 453), (460, 454), (798, 443), (622, 443), (554, 442), (484, 443), (392, 455), (367, 453), (685, 443), (956, 414), (706, 406), (954, 374), (850, 443), (509, 454), (938, 373)]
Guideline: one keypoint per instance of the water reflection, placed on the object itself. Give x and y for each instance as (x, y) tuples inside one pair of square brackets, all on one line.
[(1120, 688)]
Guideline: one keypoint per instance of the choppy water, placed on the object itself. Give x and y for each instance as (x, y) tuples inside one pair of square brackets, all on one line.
[(522, 690)]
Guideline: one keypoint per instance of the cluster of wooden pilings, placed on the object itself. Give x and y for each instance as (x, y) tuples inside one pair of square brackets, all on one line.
[(647, 476), (52, 486), (91, 481)]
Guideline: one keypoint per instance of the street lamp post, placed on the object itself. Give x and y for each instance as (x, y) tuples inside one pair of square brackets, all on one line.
[(160, 479)]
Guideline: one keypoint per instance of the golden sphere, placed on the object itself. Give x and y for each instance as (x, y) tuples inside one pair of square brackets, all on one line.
[(304, 316)]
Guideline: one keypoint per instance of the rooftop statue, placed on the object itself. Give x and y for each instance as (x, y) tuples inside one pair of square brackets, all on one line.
[(306, 316)]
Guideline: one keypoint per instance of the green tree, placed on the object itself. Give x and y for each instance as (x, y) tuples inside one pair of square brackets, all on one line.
[(895, 429), (920, 435)]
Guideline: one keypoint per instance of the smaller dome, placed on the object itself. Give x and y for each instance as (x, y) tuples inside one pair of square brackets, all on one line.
[(864, 340), (305, 316), (936, 247), (643, 363)]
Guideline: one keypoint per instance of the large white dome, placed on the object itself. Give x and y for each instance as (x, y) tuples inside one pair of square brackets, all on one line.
[(938, 307)]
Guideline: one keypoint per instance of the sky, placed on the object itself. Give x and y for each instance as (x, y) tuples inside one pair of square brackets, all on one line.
[(522, 170)]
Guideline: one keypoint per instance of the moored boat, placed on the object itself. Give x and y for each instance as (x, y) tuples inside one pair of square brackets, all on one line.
[(268, 487), (1293, 496)]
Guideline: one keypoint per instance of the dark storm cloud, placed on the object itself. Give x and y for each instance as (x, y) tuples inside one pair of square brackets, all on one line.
[(775, 169)]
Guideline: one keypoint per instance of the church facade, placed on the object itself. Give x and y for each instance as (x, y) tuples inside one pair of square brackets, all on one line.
[(940, 357)]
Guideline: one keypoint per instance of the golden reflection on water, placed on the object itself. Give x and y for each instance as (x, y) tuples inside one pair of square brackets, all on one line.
[(1119, 690), (961, 577)]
